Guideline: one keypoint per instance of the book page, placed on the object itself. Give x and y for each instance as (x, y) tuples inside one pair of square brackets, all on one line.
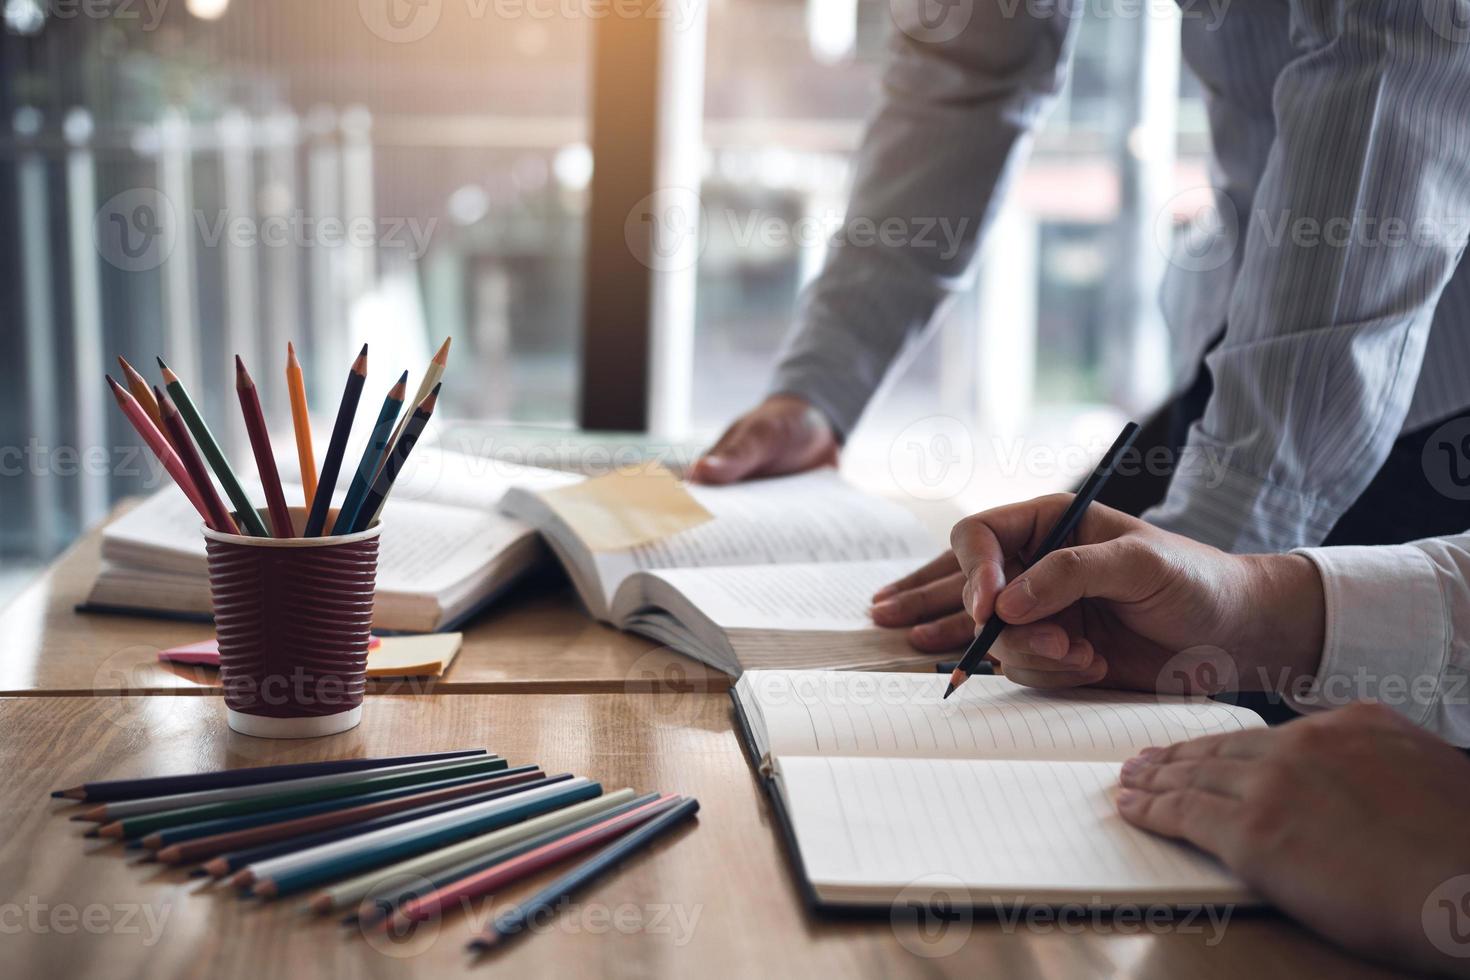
[(440, 476), (812, 517), (1011, 832), (425, 548), (834, 596), (855, 713)]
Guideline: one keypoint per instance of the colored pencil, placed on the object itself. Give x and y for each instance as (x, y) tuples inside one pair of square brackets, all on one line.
[(196, 848), (427, 384), (173, 424), (162, 448), (488, 879), (249, 519), (384, 886), (246, 857), (219, 826), (387, 888), (372, 455), (141, 390), (146, 823), (1059, 533), (121, 809), (293, 872), (372, 504), (301, 422), (125, 789), (514, 921), (260, 445), (341, 429)]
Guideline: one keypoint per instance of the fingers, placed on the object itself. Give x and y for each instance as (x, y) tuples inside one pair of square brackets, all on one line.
[(945, 564), (746, 447), (1227, 777), (1250, 744), (1124, 570), (1207, 820), (1093, 673), (938, 598), (949, 633)]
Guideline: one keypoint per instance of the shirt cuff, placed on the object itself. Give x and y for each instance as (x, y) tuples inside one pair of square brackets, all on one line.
[(1235, 511), (1388, 631)]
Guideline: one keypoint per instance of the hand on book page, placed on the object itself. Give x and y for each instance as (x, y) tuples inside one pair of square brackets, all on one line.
[(1353, 821), (1133, 606), (784, 434)]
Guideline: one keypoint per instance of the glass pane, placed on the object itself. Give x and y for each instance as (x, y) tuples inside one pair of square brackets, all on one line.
[(327, 174), (1022, 352)]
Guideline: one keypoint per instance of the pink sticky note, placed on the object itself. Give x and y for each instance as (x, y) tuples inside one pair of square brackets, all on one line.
[(206, 652)]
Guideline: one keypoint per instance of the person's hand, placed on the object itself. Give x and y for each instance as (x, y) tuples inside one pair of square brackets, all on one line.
[(931, 602), (784, 434), (1130, 605), (1348, 820)]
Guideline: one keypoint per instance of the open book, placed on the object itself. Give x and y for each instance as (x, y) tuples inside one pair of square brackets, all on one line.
[(1001, 796), (445, 549), (782, 577)]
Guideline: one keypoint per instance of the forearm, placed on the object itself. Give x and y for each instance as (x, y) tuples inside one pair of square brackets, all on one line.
[(933, 165), (1283, 623)]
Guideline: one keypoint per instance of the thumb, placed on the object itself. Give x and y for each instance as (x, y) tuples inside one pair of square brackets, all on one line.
[(738, 454), (1117, 570)]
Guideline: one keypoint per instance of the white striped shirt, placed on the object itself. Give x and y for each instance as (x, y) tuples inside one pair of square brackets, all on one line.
[(1341, 135)]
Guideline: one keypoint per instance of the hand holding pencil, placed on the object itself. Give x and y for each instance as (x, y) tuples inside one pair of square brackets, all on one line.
[(1131, 605)]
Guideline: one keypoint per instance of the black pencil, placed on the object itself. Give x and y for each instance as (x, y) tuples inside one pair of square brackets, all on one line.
[(332, 462), (383, 485), (514, 922), (1060, 531), (132, 789)]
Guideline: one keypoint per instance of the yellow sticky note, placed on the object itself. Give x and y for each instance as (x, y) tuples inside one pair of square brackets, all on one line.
[(413, 656), (627, 508)]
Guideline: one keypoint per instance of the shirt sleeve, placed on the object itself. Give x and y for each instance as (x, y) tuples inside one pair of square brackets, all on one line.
[(1357, 224), (960, 93), (1398, 632)]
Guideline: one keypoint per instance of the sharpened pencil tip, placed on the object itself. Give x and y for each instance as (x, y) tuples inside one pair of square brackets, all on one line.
[(116, 388), (363, 352), (948, 690), (290, 349), (161, 366), (442, 357)]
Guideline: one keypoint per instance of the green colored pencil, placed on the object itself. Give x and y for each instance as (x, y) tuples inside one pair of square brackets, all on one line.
[(249, 519), (130, 827)]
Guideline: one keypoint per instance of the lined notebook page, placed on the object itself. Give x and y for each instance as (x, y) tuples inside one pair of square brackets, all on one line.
[(1033, 832), (834, 596), (858, 713)]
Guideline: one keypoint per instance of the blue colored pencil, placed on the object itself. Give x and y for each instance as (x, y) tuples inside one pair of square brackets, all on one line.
[(264, 852), (372, 456), (514, 922), (373, 851), (332, 462)]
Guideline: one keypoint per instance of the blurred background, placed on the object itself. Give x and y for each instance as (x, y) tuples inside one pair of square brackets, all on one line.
[(202, 177)]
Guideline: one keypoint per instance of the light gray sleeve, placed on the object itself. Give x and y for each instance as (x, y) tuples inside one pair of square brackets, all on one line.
[(961, 90)]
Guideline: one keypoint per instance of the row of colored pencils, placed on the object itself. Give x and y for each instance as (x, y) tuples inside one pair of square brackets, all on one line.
[(388, 841), (170, 423)]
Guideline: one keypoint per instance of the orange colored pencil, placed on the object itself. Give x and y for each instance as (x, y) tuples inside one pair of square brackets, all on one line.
[(218, 516), (301, 421), (260, 444), (154, 437), (138, 385)]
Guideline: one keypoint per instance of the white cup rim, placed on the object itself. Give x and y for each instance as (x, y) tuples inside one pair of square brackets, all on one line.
[(323, 541)]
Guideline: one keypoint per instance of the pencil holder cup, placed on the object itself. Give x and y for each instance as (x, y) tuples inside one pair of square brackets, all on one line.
[(294, 617)]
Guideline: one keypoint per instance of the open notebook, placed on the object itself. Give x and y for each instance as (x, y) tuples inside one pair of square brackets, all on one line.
[(445, 549), (783, 576), (1002, 794)]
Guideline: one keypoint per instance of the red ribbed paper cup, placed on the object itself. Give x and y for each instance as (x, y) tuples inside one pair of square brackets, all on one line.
[(294, 616)]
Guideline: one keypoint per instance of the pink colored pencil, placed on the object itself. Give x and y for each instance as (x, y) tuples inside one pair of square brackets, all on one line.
[(518, 867), (156, 441)]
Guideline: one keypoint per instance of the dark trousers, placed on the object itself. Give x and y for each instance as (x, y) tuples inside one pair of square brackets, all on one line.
[(1400, 504)]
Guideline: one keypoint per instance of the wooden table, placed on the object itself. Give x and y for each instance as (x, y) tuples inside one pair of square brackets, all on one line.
[(535, 639), (716, 899)]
